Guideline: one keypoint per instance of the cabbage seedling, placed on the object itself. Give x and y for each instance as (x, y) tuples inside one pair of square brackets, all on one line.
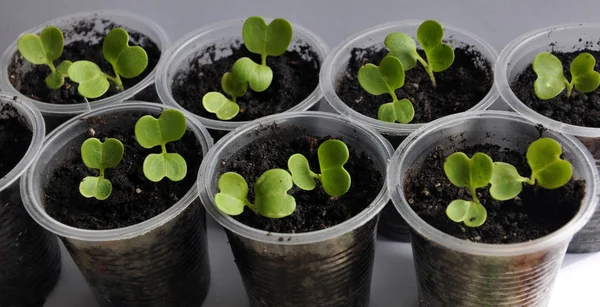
[(439, 56), (151, 132), (550, 79), (44, 49), (127, 62), (267, 40), (333, 154), (387, 78), (220, 105), (98, 155), (270, 193)]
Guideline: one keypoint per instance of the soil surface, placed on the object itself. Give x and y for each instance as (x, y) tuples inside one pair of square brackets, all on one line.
[(32, 84), (535, 213), (15, 138), (134, 198), (295, 77), (581, 109), (459, 88), (315, 210)]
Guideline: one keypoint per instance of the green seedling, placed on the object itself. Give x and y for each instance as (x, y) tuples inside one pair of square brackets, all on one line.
[(267, 40), (439, 56), (220, 105), (151, 132), (547, 169), (551, 81), (270, 190), (44, 49), (387, 78), (333, 154), (127, 62), (100, 156)]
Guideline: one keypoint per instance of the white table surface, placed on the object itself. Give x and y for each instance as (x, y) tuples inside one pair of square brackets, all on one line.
[(394, 278)]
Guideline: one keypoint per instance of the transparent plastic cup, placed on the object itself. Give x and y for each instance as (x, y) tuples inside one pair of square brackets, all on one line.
[(456, 272), (391, 224), (162, 261), (56, 114), (222, 35), (514, 58), (29, 255), (330, 267)]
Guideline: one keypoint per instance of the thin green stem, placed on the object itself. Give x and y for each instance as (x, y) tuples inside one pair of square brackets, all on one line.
[(569, 88), (392, 93), (163, 148), (428, 69), (101, 173), (474, 195), (52, 67), (530, 181), (263, 59)]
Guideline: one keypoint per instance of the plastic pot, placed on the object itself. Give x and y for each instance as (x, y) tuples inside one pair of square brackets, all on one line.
[(29, 255), (391, 224), (56, 114), (515, 57), (330, 267), (223, 35), (456, 272), (162, 261)]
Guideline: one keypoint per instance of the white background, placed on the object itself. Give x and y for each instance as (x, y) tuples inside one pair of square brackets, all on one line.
[(497, 21)]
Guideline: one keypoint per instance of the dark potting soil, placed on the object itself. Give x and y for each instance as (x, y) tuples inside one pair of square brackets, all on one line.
[(32, 84), (581, 109), (134, 198), (535, 213), (459, 88), (15, 138), (315, 210), (295, 77)]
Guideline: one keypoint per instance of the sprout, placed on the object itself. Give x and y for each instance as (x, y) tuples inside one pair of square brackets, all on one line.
[(333, 154), (550, 79), (270, 190), (44, 49), (150, 132), (387, 78), (98, 155), (217, 103), (439, 56), (127, 62)]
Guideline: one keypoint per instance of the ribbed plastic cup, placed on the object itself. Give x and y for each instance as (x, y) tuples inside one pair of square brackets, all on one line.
[(327, 268), (223, 35), (56, 114), (161, 262), (515, 57), (391, 224), (461, 273), (29, 255)]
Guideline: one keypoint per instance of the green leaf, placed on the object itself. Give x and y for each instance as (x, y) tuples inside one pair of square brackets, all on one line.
[(43, 48), (63, 68), (440, 56), (233, 194), (472, 173), (302, 176), (401, 111), (98, 155), (169, 127), (92, 81), (385, 78), (272, 39), (170, 165), (506, 182), (473, 214), (53, 41), (232, 88), (403, 47), (97, 187), (271, 198), (550, 79), (217, 103), (259, 77), (54, 80), (585, 78), (550, 171), (127, 61), (333, 154)]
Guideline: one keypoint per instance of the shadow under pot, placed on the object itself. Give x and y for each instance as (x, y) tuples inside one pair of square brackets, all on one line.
[(197, 63), (83, 39), (302, 227), (466, 85), (489, 226), (573, 112), (29, 255), (138, 239)]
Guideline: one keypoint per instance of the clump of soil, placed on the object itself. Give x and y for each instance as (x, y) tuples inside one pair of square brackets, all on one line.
[(15, 138)]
